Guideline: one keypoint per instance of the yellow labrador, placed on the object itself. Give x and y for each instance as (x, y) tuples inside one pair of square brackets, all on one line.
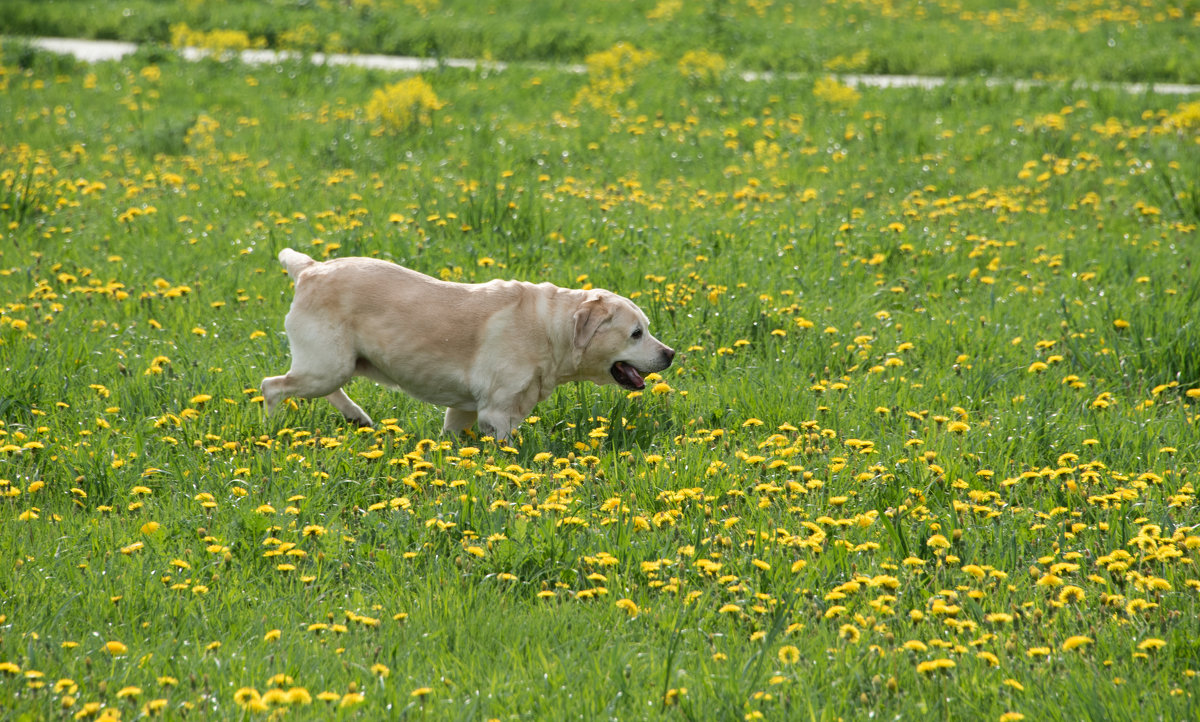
[(486, 351)]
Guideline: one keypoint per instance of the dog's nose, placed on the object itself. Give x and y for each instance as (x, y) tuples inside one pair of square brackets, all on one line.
[(669, 355)]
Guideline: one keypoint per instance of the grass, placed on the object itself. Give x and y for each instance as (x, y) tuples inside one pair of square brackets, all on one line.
[(927, 452), (1099, 41)]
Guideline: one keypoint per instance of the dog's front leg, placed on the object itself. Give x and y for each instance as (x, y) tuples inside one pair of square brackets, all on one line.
[(498, 423), (458, 421)]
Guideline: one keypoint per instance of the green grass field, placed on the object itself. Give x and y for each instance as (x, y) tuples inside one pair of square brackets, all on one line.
[(928, 451), (1094, 40)]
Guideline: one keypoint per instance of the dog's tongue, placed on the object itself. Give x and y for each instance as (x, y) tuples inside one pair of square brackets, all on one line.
[(627, 375)]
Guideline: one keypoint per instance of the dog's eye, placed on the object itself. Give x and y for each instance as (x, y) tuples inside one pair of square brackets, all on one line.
[(637, 333)]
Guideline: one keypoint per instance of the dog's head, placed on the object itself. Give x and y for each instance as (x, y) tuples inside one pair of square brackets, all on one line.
[(613, 342)]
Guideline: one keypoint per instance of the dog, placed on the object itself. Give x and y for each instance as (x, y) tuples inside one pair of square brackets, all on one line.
[(489, 352)]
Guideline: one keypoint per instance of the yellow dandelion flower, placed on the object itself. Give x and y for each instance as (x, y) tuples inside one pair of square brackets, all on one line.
[(974, 570), (789, 654), (1070, 594), (1152, 644), (934, 665), (991, 659), (628, 606), (1076, 642), (115, 648), (298, 695), (937, 541)]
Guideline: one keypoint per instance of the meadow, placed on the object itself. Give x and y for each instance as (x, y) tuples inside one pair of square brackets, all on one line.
[(928, 450), (1147, 40)]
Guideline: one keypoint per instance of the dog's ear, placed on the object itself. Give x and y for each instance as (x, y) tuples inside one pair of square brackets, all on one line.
[(588, 318)]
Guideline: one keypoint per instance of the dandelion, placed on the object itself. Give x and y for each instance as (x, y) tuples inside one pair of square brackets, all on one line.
[(628, 606), (701, 67), (404, 106), (1070, 594), (115, 648), (1049, 580), (421, 692), (246, 696), (830, 91), (934, 665), (1151, 644), (1076, 642), (991, 659), (937, 541), (789, 654)]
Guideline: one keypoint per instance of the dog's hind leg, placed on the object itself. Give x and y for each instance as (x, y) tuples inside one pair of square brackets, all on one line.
[(321, 364)]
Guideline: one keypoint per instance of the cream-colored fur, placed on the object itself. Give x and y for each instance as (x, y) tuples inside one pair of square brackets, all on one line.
[(486, 351)]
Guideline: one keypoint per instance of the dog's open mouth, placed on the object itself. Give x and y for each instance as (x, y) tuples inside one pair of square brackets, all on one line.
[(627, 376)]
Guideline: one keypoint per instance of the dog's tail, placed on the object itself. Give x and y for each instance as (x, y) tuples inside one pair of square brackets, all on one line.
[(294, 262)]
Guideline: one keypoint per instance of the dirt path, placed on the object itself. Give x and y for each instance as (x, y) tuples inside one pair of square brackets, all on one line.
[(93, 51)]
